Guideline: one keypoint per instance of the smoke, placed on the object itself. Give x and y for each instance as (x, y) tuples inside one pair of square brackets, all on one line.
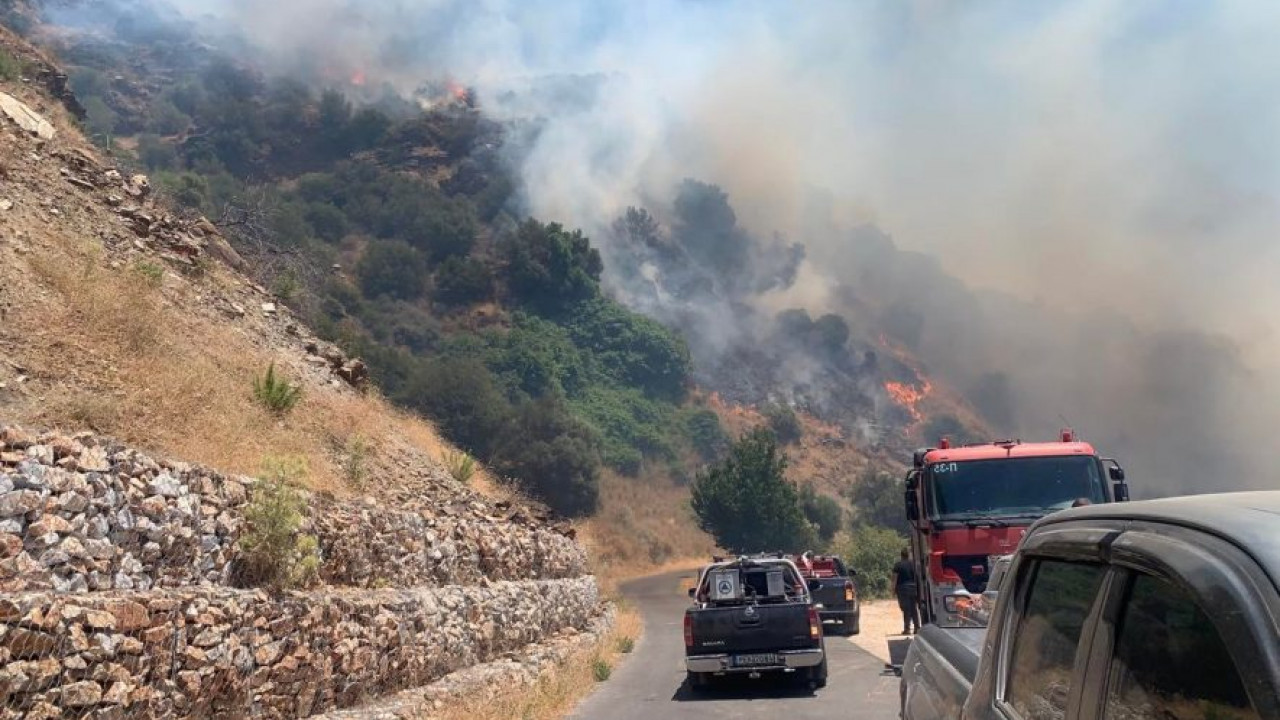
[(1080, 195)]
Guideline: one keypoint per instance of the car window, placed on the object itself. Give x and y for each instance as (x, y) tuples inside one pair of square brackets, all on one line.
[(1170, 661), (1045, 640)]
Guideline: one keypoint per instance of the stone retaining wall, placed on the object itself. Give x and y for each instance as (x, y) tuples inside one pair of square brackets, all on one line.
[(218, 652), (82, 514)]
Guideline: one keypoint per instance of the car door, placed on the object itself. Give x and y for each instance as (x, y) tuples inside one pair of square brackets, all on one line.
[(1188, 632)]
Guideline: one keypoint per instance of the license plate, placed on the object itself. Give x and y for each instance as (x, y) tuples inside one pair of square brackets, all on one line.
[(756, 659)]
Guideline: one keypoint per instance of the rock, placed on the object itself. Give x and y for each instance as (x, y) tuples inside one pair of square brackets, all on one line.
[(72, 502), (99, 549), (94, 460), (118, 693), (29, 644), (139, 186), (81, 694), (10, 545), (99, 620), (129, 615), (29, 120), (10, 610), (268, 308), (154, 507), (48, 524), (165, 486), (16, 438), (5, 204), (19, 502), (267, 654), (73, 548)]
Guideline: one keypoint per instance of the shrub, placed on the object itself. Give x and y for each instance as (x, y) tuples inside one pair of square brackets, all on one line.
[(10, 66), (601, 670), (356, 455), (286, 285), (460, 465), (275, 393), (462, 281), (550, 268), (706, 434), (626, 644), (394, 268), (274, 551), (746, 503), (151, 273), (822, 511), (462, 397), (878, 500), (632, 348), (552, 456), (784, 423), (871, 551)]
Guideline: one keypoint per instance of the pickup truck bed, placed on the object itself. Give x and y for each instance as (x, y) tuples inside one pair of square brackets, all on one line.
[(941, 668)]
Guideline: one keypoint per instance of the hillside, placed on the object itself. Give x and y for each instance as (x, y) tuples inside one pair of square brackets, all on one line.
[(146, 486)]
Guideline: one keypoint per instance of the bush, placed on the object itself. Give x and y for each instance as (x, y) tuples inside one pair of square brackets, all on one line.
[(871, 551), (626, 644), (354, 467), (275, 393), (10, 66), (463, 281), (461, 396), (550, 268), (822, 511), (600, 669), (151, 273), (286, 286), (460, 465), (552, 456), (632, 348), (784, 423), (392, 268), (878, 499), (274, 552), (746, 503), (706, 434)]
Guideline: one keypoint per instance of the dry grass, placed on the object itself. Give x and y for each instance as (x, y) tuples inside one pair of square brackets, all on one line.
[(558, 691), (124, 358), (644, 526)]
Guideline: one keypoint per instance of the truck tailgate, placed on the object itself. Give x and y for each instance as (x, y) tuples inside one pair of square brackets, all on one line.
[(830, 593), (751, 628)]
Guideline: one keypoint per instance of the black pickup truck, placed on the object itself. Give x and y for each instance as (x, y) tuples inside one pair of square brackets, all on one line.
[(753, 616), (833, 589), (1164, 609)]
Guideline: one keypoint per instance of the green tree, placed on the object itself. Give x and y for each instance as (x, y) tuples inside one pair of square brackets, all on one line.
[(327, 222), (821, 510), (871, 551), (878, 499), (747, 504), (783, 422), (831, 333), (462, 397), (392, 267), (100, 119), (550, 268), (706, 434), (633, 348), (552, 456), (463, 281)]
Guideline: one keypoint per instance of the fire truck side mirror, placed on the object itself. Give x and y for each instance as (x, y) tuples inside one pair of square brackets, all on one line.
[(1116, 472), (913, 505)]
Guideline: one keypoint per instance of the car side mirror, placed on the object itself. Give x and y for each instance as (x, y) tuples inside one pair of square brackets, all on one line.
[(693, 592), (913, 505)]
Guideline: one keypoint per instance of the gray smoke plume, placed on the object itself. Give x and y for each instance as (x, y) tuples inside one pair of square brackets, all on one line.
[(1080, 195)]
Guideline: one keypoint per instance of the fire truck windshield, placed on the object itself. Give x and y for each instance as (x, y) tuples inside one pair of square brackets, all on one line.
[(1013, 486)]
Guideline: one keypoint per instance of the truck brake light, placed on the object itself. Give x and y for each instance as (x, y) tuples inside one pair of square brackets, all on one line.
[(688, 630), (815, 623), (849, 593)]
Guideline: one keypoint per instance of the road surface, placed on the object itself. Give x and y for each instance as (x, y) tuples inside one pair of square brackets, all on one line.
[(649, 685)]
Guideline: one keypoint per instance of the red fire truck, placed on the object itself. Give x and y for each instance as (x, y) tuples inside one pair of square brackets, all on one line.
[(967, 505)]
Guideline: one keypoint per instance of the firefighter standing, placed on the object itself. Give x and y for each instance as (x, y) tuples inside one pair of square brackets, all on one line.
[(907, 591)]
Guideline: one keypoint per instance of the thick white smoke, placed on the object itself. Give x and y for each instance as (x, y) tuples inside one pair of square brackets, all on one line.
[(1109, 167)]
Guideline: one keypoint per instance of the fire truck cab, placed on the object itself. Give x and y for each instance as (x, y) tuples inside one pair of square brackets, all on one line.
[(968, 505)]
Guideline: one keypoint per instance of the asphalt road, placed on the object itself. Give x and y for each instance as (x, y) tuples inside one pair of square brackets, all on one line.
[(650, 684)]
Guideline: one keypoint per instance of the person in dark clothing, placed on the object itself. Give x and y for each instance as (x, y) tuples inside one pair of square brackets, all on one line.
[(908, 593)]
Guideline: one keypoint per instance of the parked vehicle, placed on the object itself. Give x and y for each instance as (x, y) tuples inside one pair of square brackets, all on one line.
[(833, 589), (1157, 609), (753, 616), (968, 504)]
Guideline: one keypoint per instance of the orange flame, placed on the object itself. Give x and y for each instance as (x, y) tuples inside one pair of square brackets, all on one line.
[(458, 92), (358, 78), (909, 397)]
